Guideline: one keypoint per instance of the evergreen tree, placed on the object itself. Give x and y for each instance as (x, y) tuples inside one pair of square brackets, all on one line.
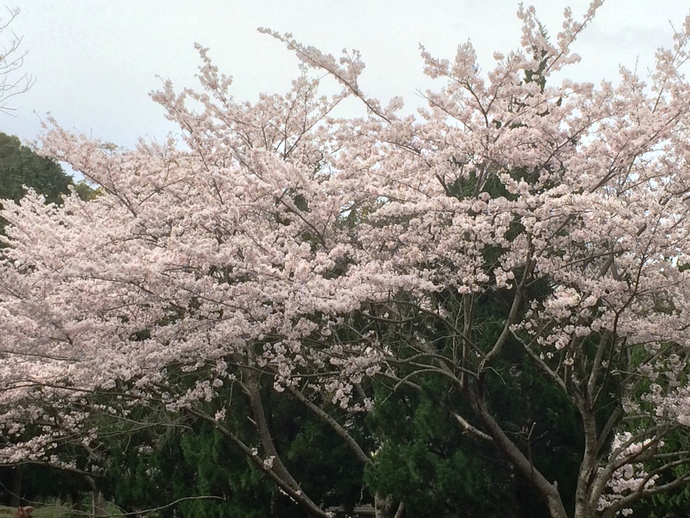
[(22, 168)]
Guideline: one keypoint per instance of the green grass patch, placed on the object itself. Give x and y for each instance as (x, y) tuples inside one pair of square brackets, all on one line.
[(49, 511)]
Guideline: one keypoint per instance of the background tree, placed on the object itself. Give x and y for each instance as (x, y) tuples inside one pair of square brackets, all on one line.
[(22, 168)]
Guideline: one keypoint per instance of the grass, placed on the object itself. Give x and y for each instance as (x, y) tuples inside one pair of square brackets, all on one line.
[(49, 511), (57, 510)]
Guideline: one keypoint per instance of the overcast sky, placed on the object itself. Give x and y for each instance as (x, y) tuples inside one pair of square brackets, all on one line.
[(96, 61)]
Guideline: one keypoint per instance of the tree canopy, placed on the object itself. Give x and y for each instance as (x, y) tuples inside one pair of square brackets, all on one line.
[(495, 288)]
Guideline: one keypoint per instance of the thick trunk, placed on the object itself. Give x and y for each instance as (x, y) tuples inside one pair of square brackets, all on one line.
[(583, 506), (587, 483), (384, 507)]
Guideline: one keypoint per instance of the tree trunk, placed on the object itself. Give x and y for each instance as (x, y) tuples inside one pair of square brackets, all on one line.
[(382, 505), (253, 388), (98, 502), (16, 493)]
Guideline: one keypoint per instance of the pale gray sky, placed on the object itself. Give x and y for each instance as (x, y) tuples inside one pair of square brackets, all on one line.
[(95, 61)]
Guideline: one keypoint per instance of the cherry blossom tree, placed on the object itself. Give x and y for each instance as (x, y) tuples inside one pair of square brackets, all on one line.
[(521, 219)]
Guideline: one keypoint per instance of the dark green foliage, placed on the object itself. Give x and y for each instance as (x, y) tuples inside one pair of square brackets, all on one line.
[(156, 467), (191, 460), (318, 456), (20, 167), (436, 470), (40, 483), (541, 421)]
